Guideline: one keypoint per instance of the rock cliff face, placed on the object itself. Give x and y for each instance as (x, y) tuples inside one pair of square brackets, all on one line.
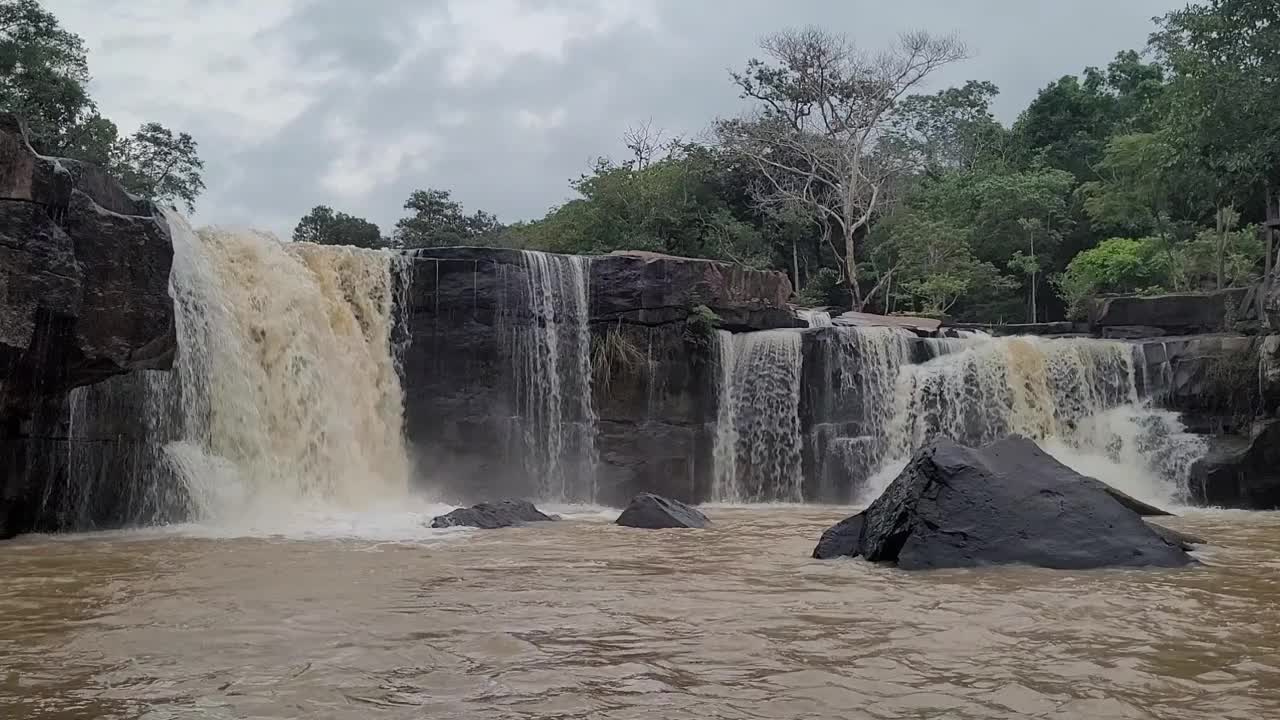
[(491, 366), (84, 273)]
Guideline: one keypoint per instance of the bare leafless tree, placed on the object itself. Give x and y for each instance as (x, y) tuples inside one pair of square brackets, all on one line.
[(821, 107), (645, 143)]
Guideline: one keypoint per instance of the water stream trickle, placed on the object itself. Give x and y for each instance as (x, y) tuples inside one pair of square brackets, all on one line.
[(758, 443), (549, 330)]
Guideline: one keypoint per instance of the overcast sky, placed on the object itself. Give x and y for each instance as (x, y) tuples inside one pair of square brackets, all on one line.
[(297, 103)]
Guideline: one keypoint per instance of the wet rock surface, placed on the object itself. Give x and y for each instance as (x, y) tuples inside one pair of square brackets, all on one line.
[(490, 516), (84, 278), (1005, 503), (654, 512)]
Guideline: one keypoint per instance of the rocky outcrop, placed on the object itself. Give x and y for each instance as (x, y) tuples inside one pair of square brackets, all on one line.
[(84, 274), (1241, 471), (654, 512), (1131, 316), (1213, 379), (489, 516), (655, 289), (473, 378), (1008, 502)]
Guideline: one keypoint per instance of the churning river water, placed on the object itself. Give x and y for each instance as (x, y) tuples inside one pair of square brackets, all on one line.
[(584, 619)]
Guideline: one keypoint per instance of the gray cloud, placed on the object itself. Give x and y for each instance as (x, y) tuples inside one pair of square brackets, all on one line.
[(503, 101)]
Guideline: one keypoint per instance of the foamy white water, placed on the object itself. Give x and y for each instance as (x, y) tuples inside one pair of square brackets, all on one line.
[(1077, 399), (290, 399), (552, 365), (758, 444)]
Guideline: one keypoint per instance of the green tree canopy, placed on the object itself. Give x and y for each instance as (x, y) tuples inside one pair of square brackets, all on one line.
[(44, 78), (323, 226), (156, 164), (437, 220)]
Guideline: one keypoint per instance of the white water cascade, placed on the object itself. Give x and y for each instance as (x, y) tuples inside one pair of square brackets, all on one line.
[(552, 363), (758, 445), (1077, 398), (876, 395), (290, 400), (815, 318)]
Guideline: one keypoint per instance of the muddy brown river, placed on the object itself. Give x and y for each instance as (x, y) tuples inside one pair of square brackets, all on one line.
[(582, 619)]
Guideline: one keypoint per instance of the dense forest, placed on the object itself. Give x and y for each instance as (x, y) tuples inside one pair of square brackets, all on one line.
[(848, 173)]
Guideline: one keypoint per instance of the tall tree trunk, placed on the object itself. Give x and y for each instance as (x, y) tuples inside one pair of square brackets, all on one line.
[(1033, 297), (851, 271), (1221, 223), (795, 264)]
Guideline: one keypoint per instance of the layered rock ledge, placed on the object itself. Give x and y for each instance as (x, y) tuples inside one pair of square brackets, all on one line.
[(84, 277)]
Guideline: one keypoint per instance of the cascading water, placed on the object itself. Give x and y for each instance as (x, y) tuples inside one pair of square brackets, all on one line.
[(287, 381), (758, 444), (551, 356), (815, 318), (1078, 398), (852, 414)]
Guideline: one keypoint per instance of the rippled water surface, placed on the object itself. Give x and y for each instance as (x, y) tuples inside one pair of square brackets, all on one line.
[(584, 619)]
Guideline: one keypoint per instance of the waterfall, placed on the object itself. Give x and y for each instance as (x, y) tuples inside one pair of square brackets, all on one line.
[(551, 356), (815, 318), (286, 375), (724, 452), (873, 396), (853, 408), (758, 442), (1078, 398), (113, 468)]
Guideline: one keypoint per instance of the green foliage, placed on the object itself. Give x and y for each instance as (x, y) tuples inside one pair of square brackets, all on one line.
[(44, 79), (689, 203), (700, 328), (953, 129), (1117, 265), (614, 355), (44, 75), (325, 227), (439, 221), (156, 164), (1194, 263), (1222, 115), (823, 289)]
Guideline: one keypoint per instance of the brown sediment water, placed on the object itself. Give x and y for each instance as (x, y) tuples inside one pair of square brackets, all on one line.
[(588, 620)]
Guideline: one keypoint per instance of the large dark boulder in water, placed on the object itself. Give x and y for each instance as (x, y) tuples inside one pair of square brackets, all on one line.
[(1008, 502), (489, 516), (654, 512)]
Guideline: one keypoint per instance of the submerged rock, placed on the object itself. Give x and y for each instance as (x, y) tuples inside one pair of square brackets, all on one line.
[(654, 512), (489, 516), (1008, 502)]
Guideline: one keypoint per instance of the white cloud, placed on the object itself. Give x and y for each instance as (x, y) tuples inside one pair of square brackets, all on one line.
[(540, 121), (363, 164), (483, 39), (492, 35), (199, 63)]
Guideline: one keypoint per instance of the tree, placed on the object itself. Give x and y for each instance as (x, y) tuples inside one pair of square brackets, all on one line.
[(325, 227), (1115, 265), (1221, 118), (822, 106), (953, 129), (440, 221), (1070, 122), (44, 76), (158, 165)]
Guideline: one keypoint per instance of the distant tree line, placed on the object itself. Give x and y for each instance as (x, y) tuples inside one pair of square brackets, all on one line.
[(1147, 175), (44, 79)]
